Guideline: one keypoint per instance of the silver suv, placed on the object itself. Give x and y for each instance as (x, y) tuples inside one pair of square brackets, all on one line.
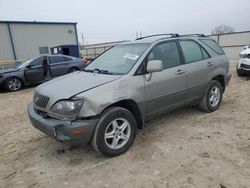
[(132, 82)]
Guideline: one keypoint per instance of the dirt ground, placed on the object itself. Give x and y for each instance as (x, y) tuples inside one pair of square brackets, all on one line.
[(185, 148)]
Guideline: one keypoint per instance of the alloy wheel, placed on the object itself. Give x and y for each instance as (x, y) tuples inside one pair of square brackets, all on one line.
[(14, 84), (117, 133), (214, 96)]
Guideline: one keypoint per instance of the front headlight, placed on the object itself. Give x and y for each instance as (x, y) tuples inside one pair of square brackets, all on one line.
[(66, 109)]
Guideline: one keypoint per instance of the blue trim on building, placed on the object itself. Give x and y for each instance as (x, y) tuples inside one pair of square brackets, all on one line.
[(11, 40), (35, 22), (77, 43)]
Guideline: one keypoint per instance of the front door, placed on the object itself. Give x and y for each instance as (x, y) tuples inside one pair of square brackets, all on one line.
[(165, 90), (34, 73)]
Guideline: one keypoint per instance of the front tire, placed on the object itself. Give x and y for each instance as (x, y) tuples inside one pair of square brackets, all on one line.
[(115, 132), (13, 84), (240, 73), (212, 98)]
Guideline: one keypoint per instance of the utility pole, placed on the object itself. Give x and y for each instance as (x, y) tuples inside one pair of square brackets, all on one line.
[(82, 39)]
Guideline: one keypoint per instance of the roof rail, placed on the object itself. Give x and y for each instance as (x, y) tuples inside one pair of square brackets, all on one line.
[(198, 35), (171, 35)]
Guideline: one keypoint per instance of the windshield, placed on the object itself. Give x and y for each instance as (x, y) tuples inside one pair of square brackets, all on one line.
[(24, 64), (118, 60)]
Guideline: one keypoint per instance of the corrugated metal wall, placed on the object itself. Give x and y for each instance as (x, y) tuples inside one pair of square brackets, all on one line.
[(5, 43), (233, 43), (27, 38), (93, 50)]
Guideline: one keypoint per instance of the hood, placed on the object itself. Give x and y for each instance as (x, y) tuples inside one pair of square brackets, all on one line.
[(72, 84), (4, 71), (246, 51)]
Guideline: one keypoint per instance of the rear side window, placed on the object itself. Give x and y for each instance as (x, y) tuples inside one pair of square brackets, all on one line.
[(191, 50), (56, 59), (213, 45)]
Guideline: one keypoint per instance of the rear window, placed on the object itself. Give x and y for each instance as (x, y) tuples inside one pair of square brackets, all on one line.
[(213, 45)]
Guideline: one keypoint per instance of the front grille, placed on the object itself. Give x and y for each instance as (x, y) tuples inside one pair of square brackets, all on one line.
[(245, 66), (40, 100)]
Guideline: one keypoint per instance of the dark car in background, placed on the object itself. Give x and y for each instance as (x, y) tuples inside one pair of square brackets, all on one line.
[(39, 70)]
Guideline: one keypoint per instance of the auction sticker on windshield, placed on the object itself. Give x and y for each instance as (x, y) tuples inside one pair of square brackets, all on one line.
[(131, 56)]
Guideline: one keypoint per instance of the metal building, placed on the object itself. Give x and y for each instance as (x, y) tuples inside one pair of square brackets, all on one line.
[(22, 40)]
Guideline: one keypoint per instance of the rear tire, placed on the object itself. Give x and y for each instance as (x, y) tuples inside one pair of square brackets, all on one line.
[(13, 84), (115, 132), (212, 98)]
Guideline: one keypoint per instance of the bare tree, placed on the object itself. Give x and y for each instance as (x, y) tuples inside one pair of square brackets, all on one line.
[(223, 29)]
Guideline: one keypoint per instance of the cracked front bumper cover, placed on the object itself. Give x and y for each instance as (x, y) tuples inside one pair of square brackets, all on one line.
[(63, 131)]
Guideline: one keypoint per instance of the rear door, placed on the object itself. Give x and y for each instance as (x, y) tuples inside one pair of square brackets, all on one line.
[(59, 65), (165, 90), (35, 72), (198, 67)]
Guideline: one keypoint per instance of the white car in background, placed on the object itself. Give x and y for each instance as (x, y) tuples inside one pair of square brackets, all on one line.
[(243, 67)]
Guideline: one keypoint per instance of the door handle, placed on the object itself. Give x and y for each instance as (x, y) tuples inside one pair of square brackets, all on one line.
[(210, 64), (179, 72)]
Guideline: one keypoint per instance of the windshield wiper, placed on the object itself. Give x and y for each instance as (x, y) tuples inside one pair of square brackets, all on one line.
[(86, 70), (98, 71)]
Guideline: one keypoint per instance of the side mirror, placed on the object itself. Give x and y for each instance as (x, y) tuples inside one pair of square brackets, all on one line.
[(28, 67), (154, 66)]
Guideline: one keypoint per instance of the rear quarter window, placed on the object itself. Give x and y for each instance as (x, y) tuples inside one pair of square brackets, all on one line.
[(68, 59), (213, 45)]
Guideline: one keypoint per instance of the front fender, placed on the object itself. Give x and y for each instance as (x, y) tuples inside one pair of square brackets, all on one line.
[(17, 74), (99, 98)]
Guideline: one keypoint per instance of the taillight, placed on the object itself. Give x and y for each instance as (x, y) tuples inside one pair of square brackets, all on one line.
[(85, 61)]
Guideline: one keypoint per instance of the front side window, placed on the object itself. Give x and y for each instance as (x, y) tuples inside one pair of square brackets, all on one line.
[(192, 51), (38, 61), (119, 59), (167, 52)]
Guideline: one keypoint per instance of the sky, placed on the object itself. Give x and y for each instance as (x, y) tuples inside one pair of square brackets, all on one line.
[(114, 20)]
